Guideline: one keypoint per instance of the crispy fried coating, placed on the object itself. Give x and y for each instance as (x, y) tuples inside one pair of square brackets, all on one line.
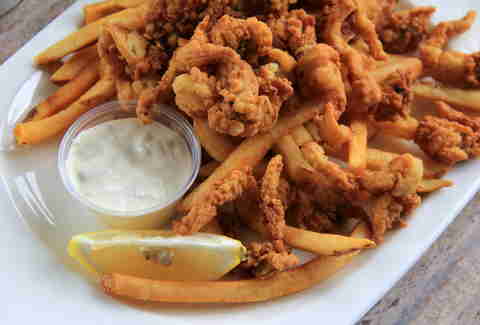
[(406, 29), (225, 191), (242, 103), (293, 31), (307, 216), (451, 67), (249, 37), (271, 203), (450, 138), (364, 90), (390, 193), (263, 260), (264, 7), (319, 75), (397, 97), (333, 174)]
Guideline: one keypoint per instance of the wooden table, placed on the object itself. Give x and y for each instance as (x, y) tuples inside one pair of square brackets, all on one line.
[(442, 288)]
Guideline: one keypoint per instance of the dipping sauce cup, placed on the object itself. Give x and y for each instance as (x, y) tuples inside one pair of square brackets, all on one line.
[(154, 216)]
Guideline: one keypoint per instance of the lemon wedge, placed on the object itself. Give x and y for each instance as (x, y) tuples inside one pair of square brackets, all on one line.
[(160, 255)]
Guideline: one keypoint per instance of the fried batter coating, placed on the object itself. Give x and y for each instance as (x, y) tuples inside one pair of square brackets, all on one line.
[(451, 67), (451, 138), (265, 7), (196, 92), (397, 97), (263, 260), (406, 29), (365, 92), (271, 203), (319, 75), (249, 37), (390, 193), (225, 191), (293, 31), (333, 174), (308, 216), (244, 104)]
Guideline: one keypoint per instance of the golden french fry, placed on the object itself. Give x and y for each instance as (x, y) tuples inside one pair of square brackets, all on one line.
[(132, 18), (242, 291), (293, 158), (465, 98), (252, 150), (404, 128), (357, 151), (67, 94), (314, 242), (218, 146), (72, 67), (52, 67), (432, 185), (95, 11), (34, 132)]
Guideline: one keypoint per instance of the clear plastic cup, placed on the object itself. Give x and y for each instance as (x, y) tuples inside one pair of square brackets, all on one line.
[(157, 215)]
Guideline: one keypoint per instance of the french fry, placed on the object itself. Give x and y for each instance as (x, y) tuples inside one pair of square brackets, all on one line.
[(131, 18), (72, 67), (34, 132), (252, 150), (432, 185), (218, 146), (208, 169), (95, 11), (314, 242), (357, 151), (241, 291), (293, 158), (404, 128), (465, 98), (67, 94)]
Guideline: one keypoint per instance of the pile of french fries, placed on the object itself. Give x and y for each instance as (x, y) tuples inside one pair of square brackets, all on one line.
[(85, 84)]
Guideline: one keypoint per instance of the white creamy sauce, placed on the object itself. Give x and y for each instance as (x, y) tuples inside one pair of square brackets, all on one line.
[(123, 165)]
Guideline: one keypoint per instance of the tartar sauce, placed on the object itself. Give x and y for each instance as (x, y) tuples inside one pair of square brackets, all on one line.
[(123, 165)]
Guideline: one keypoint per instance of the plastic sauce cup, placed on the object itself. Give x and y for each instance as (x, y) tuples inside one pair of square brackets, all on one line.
[(157, 215)]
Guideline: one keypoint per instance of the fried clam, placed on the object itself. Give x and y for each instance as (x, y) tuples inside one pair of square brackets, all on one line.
[(406, 29), (293, 31), (364, 91), (168, 25), (249, 37), (450, 137), (134, 61), (236, 106), (451, 67), (389, 194), (227, 190)]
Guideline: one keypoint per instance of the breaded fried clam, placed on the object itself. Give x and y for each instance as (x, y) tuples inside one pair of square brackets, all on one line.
[(451, 67), (450, 138)]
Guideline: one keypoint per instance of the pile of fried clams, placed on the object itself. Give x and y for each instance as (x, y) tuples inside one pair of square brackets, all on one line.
[(234, 67)]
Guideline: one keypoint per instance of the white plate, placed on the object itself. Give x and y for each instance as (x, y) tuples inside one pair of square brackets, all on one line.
[(39, 283)]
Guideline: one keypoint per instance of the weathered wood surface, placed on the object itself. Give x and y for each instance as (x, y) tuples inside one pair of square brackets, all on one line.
[(442, 288)]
